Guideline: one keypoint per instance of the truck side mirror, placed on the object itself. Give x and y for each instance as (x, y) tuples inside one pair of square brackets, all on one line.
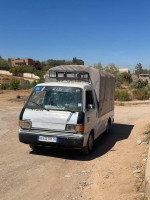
[(90, 106)]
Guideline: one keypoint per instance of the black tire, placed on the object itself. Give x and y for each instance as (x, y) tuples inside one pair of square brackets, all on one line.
[(108, 126), (90, 144), (107, 129)]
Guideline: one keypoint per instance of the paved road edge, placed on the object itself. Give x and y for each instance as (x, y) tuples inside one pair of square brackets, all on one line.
[(147, 175)]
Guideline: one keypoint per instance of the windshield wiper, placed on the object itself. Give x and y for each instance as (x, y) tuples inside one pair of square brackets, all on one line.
[(40, 106)]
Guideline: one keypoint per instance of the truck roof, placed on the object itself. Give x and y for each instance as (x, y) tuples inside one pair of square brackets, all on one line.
[(66, 84)]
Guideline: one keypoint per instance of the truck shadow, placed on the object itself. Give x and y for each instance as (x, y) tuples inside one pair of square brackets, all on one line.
[(103, 144)]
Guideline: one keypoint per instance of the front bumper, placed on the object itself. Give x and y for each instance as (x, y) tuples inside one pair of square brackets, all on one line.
[(64, 139)]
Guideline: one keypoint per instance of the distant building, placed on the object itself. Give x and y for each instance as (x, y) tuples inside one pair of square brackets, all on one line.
[(22, 62), (144, 77), (121, 70)]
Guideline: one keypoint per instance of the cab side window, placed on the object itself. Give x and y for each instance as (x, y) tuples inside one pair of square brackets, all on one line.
[(89, 99)]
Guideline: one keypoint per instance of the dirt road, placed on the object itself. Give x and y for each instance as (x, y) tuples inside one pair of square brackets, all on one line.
[(54, 174)]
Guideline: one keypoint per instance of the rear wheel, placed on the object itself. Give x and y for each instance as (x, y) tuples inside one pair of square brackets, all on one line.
[(88, 149)]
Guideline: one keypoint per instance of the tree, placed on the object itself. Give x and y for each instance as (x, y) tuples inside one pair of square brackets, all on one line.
[(14, 84), (9, 60), (77, 61), (4, 64), (17, 71), (126, 77), (111, 68), (43, 64), (53, 63), (138, 69), (145, 71), (98, 66)]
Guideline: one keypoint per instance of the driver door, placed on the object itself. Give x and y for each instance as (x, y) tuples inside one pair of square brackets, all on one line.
[(90, 111)]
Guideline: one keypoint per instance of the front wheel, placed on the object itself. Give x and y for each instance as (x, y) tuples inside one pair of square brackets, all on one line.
[(90, 144), (107, 127)]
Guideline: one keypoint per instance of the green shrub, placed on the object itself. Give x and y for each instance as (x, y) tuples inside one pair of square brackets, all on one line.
[(46, 68), (126, 77), (39, 74), (122, 78), (148, 87), (4, 64), (5, 86), (18, 71), (33, 84), (122, 95), (25, 85), (141, 94), (14, 84), (22, 69), (41, 80), (138, 84), (119, 81), (132, 85), (118, 84)]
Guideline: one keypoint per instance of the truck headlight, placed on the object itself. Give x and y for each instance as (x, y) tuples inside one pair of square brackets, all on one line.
[(71, 127), (25, 124), (74, 128)]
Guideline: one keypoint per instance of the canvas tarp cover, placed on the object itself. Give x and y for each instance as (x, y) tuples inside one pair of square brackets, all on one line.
[(103, 84)]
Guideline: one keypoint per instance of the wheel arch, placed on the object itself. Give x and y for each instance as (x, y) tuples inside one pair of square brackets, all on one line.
[(93, 133)]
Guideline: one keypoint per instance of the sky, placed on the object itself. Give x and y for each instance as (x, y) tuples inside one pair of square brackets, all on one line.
[(106, 31)]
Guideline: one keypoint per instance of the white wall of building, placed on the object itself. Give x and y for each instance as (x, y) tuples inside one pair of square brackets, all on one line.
[(5, 72), (25, 75), (30, 75)]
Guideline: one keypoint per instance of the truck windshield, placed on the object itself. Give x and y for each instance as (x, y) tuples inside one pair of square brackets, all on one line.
[(56, 98)]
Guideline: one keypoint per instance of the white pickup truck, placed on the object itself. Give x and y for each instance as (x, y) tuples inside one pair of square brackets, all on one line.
[(71, 109)]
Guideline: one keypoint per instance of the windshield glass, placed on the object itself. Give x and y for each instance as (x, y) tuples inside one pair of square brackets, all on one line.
[(56, 98)]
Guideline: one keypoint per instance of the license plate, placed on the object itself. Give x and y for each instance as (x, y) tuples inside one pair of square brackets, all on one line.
[(47, 139)]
